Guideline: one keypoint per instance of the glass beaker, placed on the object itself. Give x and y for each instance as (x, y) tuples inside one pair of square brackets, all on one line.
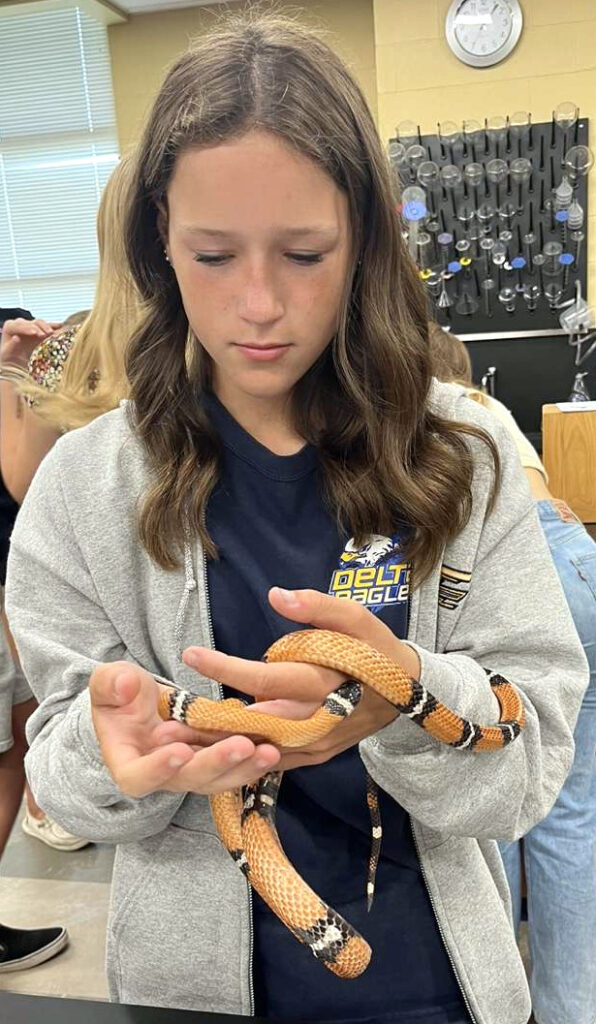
[(407, 133), (449, 134)]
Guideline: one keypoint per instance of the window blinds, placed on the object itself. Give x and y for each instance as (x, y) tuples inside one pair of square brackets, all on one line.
[(58, 146)]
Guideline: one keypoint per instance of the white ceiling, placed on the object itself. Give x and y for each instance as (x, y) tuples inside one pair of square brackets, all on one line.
[(147, 6)]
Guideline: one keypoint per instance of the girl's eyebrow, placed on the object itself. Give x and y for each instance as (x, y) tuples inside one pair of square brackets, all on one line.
[(321, 231)]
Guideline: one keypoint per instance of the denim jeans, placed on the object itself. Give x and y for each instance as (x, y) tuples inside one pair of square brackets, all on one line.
[(560, 852)]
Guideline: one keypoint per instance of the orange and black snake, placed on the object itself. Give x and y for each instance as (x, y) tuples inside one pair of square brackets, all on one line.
[(245, 820)]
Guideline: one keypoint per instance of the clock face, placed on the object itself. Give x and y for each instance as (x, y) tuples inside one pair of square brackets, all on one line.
[(483, 32)]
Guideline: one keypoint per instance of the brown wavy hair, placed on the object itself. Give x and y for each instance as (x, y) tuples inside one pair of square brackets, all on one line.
[(385, 455)]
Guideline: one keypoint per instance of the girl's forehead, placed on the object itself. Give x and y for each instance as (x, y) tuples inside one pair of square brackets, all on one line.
[(256, 179)]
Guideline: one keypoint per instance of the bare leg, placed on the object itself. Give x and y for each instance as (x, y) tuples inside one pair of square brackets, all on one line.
[(34, 810), (12, 772)]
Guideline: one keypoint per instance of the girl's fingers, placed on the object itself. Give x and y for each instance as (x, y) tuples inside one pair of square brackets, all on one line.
[(179, 768), (172, 732), (294, 709), (232, 763), (46, 327), (142, 775), (114, 685), (289, 680)]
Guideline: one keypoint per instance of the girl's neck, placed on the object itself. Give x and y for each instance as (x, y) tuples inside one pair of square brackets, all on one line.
[(267, 420)]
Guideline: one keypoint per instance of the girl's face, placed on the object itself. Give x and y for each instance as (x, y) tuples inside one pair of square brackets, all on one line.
[(259, 239)]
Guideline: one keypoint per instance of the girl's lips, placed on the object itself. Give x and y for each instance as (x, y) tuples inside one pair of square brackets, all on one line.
[(264, 355)]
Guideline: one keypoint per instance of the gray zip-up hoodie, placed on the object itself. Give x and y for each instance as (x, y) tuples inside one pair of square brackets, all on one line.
[(81, 590)]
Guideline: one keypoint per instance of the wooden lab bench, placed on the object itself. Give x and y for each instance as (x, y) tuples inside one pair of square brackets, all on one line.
[(569, 456)]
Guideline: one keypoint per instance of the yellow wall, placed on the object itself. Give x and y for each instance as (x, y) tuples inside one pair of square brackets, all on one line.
[(419, 79), (143, 47)]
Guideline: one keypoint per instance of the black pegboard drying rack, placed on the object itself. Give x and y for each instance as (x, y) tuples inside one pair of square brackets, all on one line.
[(544, 144)]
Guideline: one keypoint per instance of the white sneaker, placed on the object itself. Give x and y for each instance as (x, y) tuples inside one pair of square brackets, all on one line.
[(51, 833)]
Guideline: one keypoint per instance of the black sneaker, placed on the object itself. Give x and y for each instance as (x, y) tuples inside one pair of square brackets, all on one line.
[(26, 947)]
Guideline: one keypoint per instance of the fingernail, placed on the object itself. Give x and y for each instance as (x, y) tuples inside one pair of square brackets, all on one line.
[(262, 764), (235, 757), (175, 762), (118, 684), (288, 597)]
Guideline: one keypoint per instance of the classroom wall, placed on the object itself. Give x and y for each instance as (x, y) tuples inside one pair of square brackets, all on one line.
[(419, 79), (143, 47)]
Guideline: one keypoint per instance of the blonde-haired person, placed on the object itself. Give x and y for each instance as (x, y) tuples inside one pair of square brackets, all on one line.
[(282, 426), (55, 377), (559, 854)]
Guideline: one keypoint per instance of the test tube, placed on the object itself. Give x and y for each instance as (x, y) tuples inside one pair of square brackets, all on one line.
[(473, 175), (396, 153), (407, 133), (577, 238), (496, 171), (519, 126), (413, 211), (539, 261), (518, 263), (415, 155), (445, 240), (451, 178), (520, 170), (551, 253), (472, 133), (424, 255), (531, 294), (566, 260), (488, 289), (485, 214), (529, 240), (496, 128), (475, 233), (450, 134), (565, 117), (429, 177), (486, 246)]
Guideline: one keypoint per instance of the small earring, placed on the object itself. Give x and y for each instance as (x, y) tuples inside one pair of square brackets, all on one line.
[(166, 257)]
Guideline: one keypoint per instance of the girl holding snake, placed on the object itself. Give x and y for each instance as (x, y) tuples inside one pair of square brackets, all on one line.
[(285, 460)]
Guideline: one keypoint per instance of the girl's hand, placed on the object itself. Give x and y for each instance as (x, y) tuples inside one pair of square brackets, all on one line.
[(20, 337), (144, 754), (293, 690)]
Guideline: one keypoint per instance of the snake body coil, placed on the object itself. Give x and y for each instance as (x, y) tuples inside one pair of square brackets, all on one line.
[(246, 825)]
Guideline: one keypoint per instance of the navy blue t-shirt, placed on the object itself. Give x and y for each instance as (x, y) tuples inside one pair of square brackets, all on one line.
[(271, 526)]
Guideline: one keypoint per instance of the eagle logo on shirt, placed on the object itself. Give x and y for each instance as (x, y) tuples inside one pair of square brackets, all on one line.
[(375, 574)]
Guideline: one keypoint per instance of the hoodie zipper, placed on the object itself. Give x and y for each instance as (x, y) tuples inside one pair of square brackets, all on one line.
[(417, 848), (250, 906), (441, 932)]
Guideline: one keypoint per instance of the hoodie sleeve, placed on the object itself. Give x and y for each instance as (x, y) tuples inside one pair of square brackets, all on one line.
[(62, 633), (514, 621)]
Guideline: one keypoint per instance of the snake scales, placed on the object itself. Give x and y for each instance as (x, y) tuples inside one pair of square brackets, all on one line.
[(246, 823)]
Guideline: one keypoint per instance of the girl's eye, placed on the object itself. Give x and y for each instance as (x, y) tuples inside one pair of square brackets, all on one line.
[(306, 258), (211, 261), (302, 258)]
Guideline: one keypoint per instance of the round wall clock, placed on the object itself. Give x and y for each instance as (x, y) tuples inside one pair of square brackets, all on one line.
[(483, 32)]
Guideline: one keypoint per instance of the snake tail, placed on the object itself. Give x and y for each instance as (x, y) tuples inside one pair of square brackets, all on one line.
[(320, 928)]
